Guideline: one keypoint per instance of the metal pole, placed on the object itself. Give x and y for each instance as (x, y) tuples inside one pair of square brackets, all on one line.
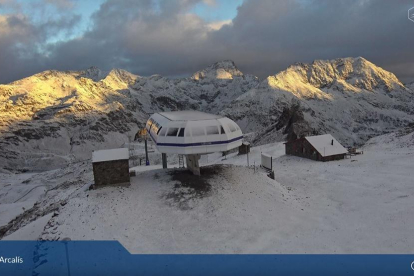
[(164, 160), (146, 153)]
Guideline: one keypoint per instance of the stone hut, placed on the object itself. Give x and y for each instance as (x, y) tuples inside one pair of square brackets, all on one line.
[(111, 167)]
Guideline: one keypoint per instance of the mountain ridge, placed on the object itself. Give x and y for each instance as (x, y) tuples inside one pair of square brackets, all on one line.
[(320, 89), (55, 117)]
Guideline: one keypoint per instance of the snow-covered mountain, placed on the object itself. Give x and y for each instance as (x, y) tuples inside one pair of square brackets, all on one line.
[(52, 118), (349, 97), (209, 90)]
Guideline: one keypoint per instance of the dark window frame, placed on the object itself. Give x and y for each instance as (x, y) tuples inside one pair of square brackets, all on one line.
[(159, 130)]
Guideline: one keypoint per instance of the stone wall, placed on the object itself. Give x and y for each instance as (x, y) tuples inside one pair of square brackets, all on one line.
[(111, 172), (244, 148)]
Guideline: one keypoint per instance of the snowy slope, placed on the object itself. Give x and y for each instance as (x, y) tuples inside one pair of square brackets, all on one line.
[(351, 98), (28, 197), (401, 141), (358, 205)]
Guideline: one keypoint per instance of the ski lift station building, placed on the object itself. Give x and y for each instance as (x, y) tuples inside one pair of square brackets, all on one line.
[(193, 133)]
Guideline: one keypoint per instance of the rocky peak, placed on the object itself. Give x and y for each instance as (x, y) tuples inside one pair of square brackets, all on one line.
[(93, 73), (121, 75), (225, 69), (347, 74)]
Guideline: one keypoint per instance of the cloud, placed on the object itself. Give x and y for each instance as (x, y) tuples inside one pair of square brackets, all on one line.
[(217, 25), (62, 4), (140, 37), (210, 3), (274, 34), (23, 42), (165, 37)]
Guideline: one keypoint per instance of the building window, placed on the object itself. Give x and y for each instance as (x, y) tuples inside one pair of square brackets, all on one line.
[(232, 127), (211, 130), (172, 131), (162, 132)]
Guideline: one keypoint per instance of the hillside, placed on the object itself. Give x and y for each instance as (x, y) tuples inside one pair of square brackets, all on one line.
[(349, 97)]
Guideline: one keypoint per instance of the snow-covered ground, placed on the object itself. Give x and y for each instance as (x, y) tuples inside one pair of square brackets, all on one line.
[(27, 197), (358, 205)]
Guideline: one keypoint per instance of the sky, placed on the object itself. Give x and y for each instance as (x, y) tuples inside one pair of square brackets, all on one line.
[(179, 37)]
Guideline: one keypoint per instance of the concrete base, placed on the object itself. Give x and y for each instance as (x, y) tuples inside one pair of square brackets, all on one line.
[(192, 163)]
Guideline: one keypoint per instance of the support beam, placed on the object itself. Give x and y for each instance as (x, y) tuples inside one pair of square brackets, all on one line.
[(192, 163), (146, 153), (164, 160)]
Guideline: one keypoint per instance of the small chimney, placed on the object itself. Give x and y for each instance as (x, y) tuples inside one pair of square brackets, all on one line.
[(332, 142)]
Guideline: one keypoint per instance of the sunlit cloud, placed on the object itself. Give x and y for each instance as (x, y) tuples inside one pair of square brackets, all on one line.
[(218, 24)]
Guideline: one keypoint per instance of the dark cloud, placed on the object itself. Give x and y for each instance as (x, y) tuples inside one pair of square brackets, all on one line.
[(24, 39), (274, 34), (148, 37)]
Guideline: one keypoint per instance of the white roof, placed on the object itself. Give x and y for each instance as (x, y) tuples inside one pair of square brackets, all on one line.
[(110, 155), (323, 144), (189, 115)]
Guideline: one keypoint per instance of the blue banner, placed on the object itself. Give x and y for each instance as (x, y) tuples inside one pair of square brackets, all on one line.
[(111, 258)]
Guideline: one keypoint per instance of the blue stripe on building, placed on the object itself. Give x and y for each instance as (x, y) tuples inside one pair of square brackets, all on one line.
[(199, 144)]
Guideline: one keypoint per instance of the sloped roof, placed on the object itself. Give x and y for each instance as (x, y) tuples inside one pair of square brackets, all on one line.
[(323, 144), (110, 155)]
